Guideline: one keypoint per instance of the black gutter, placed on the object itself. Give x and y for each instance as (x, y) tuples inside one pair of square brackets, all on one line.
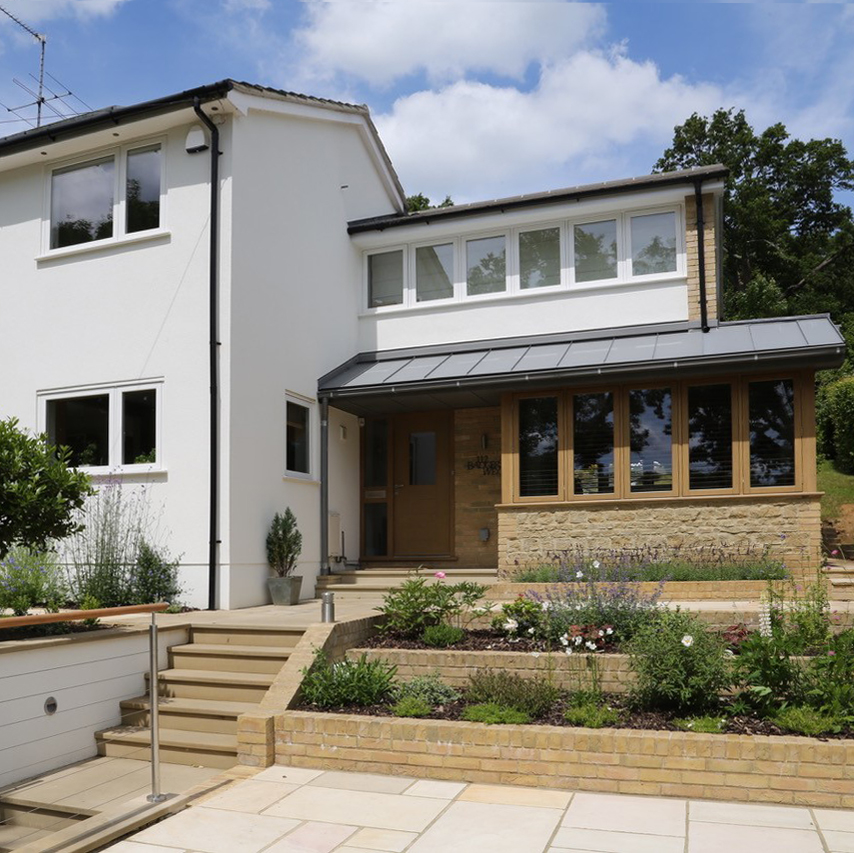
[(701, 253), (213, 353), (110, 117), (645, 182)]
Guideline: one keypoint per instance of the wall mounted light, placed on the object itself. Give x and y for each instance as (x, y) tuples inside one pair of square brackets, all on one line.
[(483, 534), (197, 141), (484, 440)]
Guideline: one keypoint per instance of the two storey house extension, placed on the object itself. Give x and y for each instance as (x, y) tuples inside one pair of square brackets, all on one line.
[(218, 298)]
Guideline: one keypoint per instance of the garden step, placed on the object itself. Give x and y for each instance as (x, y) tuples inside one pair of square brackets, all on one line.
[(246, 635), (177, 746), (217, 656), (389, 578), (214, 684), (200, 715)]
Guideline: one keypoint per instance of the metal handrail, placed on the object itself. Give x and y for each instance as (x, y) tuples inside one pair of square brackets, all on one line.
[(77, 615)]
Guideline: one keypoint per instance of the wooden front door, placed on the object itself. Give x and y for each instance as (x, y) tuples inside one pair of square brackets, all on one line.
[(407, 483), (421, 485)]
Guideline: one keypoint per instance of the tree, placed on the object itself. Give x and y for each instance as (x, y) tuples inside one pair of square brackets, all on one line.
[(419, 201), (789, 245), (39, 492)]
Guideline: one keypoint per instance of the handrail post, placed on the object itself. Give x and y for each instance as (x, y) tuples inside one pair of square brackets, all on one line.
[(154, 713)]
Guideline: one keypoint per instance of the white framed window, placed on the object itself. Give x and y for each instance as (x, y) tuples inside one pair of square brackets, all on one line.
[(434, 273), (486, 265), (385, 277), (117, 195), (298, 432), (540, 257), (112, 428)]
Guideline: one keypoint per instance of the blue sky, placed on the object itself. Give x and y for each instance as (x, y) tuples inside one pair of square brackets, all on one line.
[(478, 99)]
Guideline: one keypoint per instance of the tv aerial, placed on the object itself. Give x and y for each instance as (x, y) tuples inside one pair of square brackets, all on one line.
[(54, 101)]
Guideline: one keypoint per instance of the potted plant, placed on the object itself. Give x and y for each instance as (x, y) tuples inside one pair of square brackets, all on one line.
[(284, 543)]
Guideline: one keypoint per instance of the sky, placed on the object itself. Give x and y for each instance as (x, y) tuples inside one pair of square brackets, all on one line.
[(477, 99)]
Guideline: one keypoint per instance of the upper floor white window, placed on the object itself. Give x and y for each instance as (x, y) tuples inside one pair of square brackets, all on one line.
[(107, 198), (580, 253), (106, 428)]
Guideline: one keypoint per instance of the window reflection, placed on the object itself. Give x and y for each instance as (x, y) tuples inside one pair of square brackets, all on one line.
[(434, 272), (653, 243), (81, 203), (593, 443), (83, 425), (650, 440), (539, 258), (486, 270), (596, 250), (710, 437), (385, 279), (538, 445), (143, 189), (772, 433)]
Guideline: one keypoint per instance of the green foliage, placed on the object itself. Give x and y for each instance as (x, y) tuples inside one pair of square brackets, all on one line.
[(788, 243), (90, 603), (766, 672), (418, 604), (492, 713), (419, 202), (347, 682), (31, 579), (835, 423), (590, 715), (829, 679), (430, 688), (706, 725), (522, 617), (284, 543), (806, 721), (800, 613), (155, 577), (679, 663), (838, 489), (535, 696), (39, 493), (411, 706), (441, 636)]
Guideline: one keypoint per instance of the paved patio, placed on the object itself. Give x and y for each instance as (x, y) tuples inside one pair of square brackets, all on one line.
[(293, 810)]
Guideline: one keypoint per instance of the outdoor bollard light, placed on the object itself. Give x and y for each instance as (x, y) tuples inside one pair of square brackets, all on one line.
[(327, 607)]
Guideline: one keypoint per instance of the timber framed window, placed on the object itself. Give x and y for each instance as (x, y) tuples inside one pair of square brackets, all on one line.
[(722, 436)]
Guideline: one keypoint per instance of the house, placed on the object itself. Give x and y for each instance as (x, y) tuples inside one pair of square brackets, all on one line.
[(219, 296)]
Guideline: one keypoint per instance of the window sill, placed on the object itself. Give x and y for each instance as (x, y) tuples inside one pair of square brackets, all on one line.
[(531, 295), (103, 245), (292, 478), (558, 504), (124, 471)]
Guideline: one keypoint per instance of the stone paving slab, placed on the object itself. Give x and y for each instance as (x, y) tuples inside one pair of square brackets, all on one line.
[(295, 810)]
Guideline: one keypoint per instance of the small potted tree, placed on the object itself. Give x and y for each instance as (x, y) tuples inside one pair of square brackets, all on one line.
[(284, 543)]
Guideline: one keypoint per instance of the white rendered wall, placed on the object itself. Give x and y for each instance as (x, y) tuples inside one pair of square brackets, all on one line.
[(87, 678), (117, 313), (294, 308)]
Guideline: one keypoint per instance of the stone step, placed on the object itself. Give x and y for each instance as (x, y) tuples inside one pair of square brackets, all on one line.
[(200, 715), (246, 635), (214, 684), (396, 577), (217, 656), (177, 746)]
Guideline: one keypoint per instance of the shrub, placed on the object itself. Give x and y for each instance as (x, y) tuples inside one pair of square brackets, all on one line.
[(441, 636), (509, 690), (806, 721), (680, 664), (429, 688), (523, 617), (707, 725), (829, 679), (802, 614), (766, 673), (284, 543), (417, 604), (492, 714), (347, 682), (411, 706), (31, 579), (154, 578), (591, 716), (836, 426)]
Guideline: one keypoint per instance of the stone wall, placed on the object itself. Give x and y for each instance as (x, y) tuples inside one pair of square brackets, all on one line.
[(710, 224), (477, 485), (789, 526)]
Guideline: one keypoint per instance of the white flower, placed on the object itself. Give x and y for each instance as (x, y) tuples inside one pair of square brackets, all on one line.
[(687, 641), (530, 630), (601, 633), (729, 653), (591, 645), (535, 654), (579, 575), (511, 625), (578, 640), (568, 651), (565, 639), (609, 631), (596, 564), (546, 605)]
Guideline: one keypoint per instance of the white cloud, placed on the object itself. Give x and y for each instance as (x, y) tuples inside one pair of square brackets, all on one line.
[(35, 11), (380, 41), (247, 5), (581, 122)]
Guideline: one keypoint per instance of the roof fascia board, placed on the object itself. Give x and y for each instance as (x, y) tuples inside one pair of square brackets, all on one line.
[(355, 116), (546, 211)]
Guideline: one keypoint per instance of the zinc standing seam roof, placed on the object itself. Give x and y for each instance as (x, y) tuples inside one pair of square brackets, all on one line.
[(811, 341)]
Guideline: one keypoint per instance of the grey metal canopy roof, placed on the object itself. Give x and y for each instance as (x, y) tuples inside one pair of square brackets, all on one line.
[(475, 373)]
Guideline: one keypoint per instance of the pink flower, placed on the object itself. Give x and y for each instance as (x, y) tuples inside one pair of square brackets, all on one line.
[(831, 652), (834, 553), (439, 575)]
